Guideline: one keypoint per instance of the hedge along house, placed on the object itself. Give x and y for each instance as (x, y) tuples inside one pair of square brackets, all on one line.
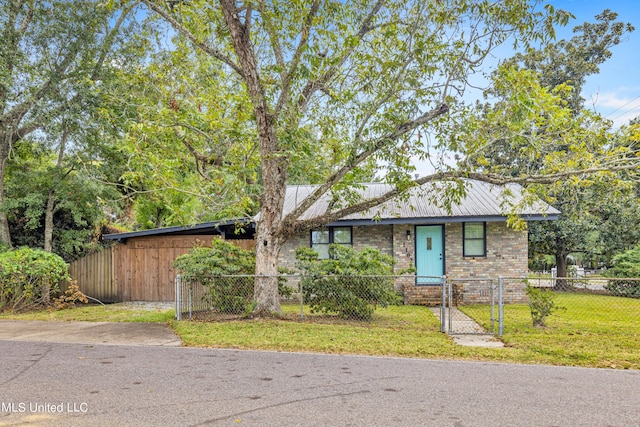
[(140, 266), (469, 240)]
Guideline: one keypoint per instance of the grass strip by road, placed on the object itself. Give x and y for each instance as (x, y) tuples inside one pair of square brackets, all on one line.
[(98, 313), (592, 331)]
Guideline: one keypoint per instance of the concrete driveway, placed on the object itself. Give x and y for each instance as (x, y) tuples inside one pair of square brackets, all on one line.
[(154, 334)]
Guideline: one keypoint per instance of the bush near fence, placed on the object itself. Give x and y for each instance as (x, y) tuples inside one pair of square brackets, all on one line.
[(30, 278), (626, 264), (343, 297), (350, 283)]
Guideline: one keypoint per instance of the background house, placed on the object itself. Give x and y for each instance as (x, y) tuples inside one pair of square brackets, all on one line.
[(471, 239)]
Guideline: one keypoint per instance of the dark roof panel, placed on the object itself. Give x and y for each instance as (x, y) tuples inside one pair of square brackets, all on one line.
[(214, 227)]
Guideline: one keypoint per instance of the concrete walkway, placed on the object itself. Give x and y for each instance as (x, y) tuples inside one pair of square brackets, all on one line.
[(465, 331), (124, 333)]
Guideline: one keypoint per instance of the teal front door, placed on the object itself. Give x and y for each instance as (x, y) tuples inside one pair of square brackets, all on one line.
[(429, 254)]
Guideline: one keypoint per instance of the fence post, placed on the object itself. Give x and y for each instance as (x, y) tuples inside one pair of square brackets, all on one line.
[(493, 307), (450, 287), (301, 299), (500, 307), (190, 300), (443, 310), (178, 297)]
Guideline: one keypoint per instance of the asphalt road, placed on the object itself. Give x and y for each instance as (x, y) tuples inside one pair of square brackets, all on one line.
[(57, 384)]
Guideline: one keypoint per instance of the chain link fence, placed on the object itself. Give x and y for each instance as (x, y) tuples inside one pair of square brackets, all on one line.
[(328, 296), (462, 305), (586, 283), (577, 303)]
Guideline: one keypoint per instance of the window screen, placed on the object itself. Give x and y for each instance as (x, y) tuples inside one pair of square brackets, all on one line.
[(474, 239), (321, 239)]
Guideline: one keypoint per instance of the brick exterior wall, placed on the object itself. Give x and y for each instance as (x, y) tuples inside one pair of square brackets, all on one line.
[(404, 254), (379, 237), (287, 257), (507, 253), (506, 256), (376, 236)]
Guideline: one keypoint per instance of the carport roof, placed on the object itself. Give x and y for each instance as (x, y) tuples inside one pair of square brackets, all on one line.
[(226, 227)]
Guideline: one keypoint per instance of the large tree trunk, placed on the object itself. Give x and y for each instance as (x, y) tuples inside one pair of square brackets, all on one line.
[(51, 198), (273, 165), (268, 240), (5, 150), (561, 272), (266, 282), (48, 221)]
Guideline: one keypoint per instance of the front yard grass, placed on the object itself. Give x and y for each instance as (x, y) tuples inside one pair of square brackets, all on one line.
[(588, 330), (405, 331), (592, 331)]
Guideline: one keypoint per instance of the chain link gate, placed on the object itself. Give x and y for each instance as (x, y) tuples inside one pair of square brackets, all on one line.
[(470, 291)]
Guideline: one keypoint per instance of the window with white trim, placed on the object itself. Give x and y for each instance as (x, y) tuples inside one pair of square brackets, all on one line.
[(321, 239), (474, 240)]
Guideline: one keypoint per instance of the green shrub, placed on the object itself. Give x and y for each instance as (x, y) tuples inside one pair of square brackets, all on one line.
[(541, 303), (350, 283), (218, 267), (625, 265), (228, 272), (29, 277)]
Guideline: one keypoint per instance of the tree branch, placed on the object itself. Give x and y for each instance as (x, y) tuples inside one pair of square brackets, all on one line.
[(273, 37), (215, 53), (109, 38), (17, 113), (356, 160), (314, 85), (304, 39), (27, 18)]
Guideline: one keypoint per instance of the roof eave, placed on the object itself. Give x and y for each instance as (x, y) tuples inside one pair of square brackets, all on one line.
[(439, 220), (214, 225)]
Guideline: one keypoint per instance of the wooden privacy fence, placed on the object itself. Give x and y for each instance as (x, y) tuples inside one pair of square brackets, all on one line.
[(139, 270), (95, 276)]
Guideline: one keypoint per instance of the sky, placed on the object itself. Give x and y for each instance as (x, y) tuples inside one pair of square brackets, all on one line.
[(615, 91)]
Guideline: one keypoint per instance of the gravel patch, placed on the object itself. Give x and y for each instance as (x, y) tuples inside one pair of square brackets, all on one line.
[(146, 305)]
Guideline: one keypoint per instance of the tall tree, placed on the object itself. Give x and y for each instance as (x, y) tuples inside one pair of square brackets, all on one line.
[(193, 155), (572, 61), (51, 52), (561, 69), (366, 75), (536, 130)]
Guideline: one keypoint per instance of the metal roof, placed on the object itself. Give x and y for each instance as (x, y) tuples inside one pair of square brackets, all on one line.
[(483, 201)]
